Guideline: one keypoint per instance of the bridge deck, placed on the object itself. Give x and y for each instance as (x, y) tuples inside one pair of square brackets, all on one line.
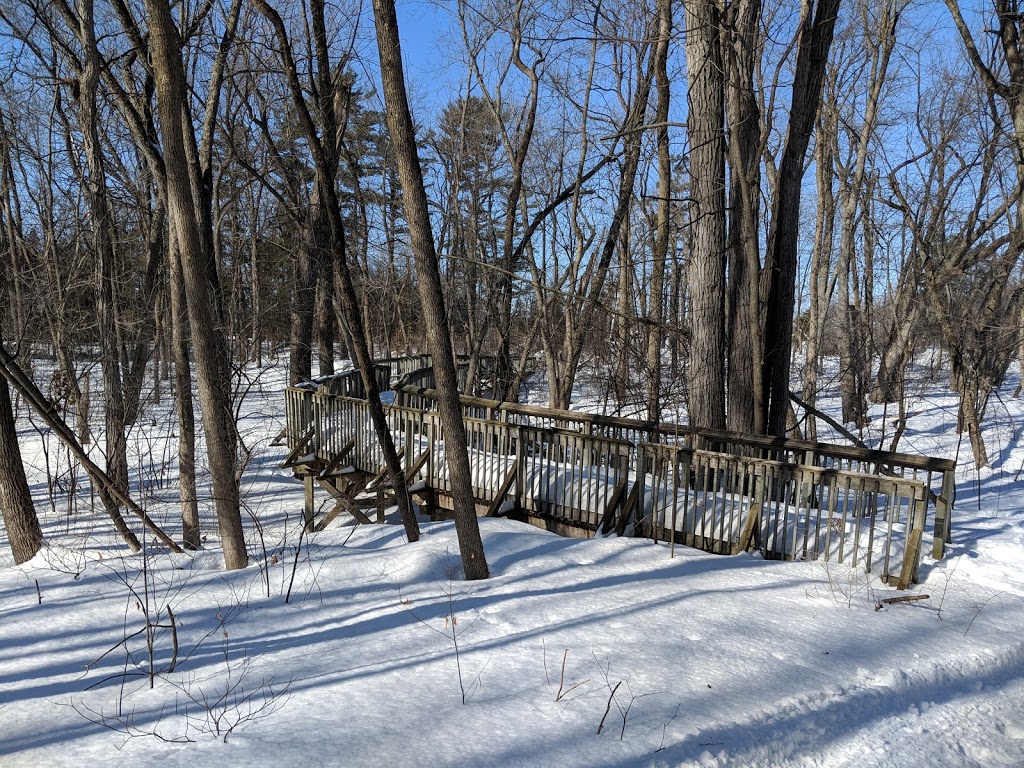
[(582, 474)]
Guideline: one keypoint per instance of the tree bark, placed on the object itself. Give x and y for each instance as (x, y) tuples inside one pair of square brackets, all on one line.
[(659, 256), (19, 514), (399, 121), (211, 350), (187, 492), (745, 391), (706, 123), (304, 293), (23, 531), (815, 40)]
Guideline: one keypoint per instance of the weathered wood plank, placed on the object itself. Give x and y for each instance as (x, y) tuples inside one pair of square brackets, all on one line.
[(339, 457), (293, 455), (910, 556), (503, 489)]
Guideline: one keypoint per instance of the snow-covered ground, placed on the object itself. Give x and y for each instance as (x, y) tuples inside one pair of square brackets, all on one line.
[(354, 648)]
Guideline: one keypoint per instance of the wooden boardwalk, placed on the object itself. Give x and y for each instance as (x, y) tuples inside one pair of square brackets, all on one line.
[(582, 474)]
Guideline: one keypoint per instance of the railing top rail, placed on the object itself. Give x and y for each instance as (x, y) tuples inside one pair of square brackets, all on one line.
[(910, 461), (358, 401), (808, 468), (536, 428)]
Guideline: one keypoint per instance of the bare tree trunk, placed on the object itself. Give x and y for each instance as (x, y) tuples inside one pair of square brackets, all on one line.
[(208, 336), (746, 395), (95, 182), (624, 321), (517, 148), (304, 293), (325, 314), (854, 197), (822, 282), (853, 411), (328, 229), (659, 257), (779, 273), (577, 328), (23, 531), (191, 532), (400, 125), (706, 124)]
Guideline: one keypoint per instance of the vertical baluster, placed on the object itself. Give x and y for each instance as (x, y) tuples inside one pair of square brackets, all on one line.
[(860, 509), (887, 496), (804, 485), (846, 510)]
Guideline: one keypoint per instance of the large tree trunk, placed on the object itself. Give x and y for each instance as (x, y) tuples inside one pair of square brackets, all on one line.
[(300, 365), (815, 40), (325, 314), (746, 395), (211, 350), (706, 122), (23, 532), (399, 122)]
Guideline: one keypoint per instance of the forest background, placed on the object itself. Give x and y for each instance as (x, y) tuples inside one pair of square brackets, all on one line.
[(696, 203)]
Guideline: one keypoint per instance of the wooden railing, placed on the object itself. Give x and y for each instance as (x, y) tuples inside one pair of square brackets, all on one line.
[(403, 366), (417, 371), (935, 473), (719, 491), (722, 502)]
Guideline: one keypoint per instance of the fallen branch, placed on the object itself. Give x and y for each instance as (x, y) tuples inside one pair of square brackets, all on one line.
[(110, 494), (901, 599), (830, 421), (849, 436)]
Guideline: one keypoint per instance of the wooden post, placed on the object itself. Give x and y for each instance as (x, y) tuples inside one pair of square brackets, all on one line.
[(908, 573), (751, 533), (520, 469), (912, 552), (309, 509), (943, 515)]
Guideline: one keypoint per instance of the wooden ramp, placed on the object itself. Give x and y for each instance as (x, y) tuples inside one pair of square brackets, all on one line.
[(583, 475)]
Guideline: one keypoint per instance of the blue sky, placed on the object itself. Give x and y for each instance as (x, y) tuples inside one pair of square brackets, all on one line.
[(427, 48)]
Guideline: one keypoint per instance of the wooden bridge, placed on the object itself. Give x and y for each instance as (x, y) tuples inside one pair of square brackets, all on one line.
[(583, 474)]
